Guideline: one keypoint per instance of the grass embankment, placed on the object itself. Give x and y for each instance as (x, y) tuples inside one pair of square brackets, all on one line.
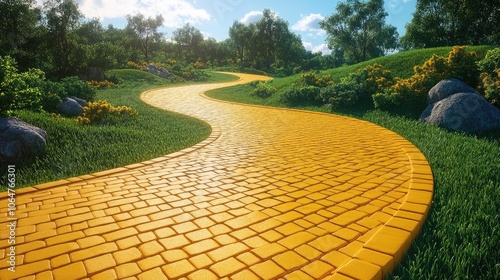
[(460, 237), (74, 149)]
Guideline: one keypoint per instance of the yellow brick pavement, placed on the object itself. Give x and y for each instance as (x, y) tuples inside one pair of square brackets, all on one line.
[(271, 194)]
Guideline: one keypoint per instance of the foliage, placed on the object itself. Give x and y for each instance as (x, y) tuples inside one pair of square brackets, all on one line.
[(358, 30), (491, 87), (103, 112), (73, 86), (313, 79), (459, 64), (145, 31), (199, 65), (448, 22), (19, 90), (101, 84), (341, 95), (263, 89), (490, 76), (301, 96), (141, 65), (491, 62)]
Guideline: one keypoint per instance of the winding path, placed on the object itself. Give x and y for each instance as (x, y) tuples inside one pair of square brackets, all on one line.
[(271, 194)]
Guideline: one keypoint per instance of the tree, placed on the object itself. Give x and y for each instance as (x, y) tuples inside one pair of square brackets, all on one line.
[(19, 28), (358, 29), (188, 40), (145, 31), (240, 34), (68, 56), (448, 22), (17, 22)]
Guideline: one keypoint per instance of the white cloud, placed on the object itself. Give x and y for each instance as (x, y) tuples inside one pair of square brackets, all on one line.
[(323, 48), (310, 23), (175, 12), (252, 16)]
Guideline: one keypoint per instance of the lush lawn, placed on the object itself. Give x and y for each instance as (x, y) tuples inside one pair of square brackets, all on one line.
[(73, 149), (461, 236)]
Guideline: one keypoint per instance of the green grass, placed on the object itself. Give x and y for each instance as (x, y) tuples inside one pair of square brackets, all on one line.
[(460, 237), (74, 149)]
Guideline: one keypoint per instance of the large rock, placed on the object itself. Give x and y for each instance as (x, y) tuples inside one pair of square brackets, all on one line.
[(158, 71), (468, 112), (20, 140), (80, 101), (446, 88), (70, 107)]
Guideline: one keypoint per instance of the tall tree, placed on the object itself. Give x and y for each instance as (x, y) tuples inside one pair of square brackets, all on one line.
[(145, 31), (448, 22), (240, 34), (68, 56), (17, 21), (358, 29), (188, 40)]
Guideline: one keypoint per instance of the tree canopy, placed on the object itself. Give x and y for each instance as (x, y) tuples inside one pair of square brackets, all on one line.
[(358, 30), (449, 22)]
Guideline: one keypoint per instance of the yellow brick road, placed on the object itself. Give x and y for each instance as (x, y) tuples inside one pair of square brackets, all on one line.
[(271, 194)]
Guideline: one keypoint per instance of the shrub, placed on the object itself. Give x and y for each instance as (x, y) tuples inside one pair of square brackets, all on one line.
[(198, 65), (73, 86), (490, 76), (313, 79), (491, 87), (103, 112), (52, 95), (19, 90), (102, 84), (412, 92), (263, 89), (304, 95), (141, 65), (341, 95)]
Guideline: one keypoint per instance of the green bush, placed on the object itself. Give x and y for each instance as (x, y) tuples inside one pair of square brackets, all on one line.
[(73, 86), (263, 89), (341, 95), (490, 76), (301, 96), (490, 62), (52, 95), (19, 90)]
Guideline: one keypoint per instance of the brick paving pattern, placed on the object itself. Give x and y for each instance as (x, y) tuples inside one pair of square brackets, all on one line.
[(271, 194)]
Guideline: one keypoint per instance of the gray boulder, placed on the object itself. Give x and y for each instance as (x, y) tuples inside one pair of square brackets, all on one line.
[(20, 140), (70, 107), (80, 101), (158, 71), (468, 112), (446, 88)]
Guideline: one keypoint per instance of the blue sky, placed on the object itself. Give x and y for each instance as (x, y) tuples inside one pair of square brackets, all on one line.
[(214, 17)]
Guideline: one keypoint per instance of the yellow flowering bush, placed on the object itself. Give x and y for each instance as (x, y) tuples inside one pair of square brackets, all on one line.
[(313, 79), (413, 91), (102, 84), (198, 65), (141, 65), (101, 111), (491, 87)]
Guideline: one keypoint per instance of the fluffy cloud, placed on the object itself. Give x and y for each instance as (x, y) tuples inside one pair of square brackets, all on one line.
[(309, 23), (323, 48), (175, 12), (252, 16)]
